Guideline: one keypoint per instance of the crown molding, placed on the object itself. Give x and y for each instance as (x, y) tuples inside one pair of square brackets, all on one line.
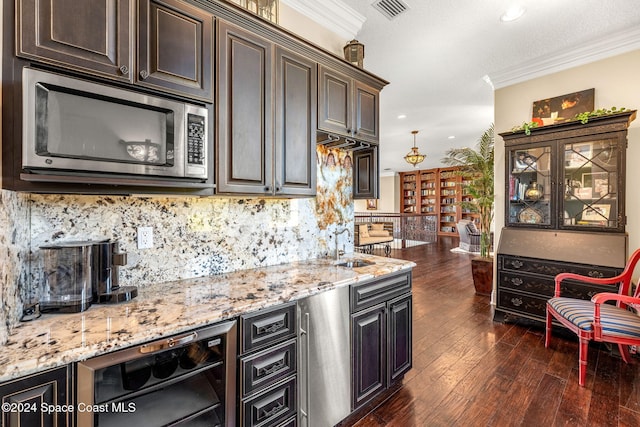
[(612, 45), (331, 14)]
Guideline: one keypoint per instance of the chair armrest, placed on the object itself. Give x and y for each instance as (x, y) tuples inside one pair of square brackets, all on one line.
[(601, 298), (587, 279)]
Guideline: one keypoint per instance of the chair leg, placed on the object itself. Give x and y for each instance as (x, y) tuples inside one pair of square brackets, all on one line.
[(582, 369), (624, 351), (547, 336)]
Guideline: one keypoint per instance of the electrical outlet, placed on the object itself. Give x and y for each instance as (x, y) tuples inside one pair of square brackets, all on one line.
[(145, 237)]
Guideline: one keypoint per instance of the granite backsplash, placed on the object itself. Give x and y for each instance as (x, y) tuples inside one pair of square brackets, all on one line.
[(193, 236)]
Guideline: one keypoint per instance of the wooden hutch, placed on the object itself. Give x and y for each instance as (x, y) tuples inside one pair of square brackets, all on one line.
[(565, 212)]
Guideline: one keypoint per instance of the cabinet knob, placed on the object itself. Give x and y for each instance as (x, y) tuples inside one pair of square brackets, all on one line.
[(267, 189), (516, 302), (517, 264), (517, 281), (349, 131), (144, 74), (124, 70)]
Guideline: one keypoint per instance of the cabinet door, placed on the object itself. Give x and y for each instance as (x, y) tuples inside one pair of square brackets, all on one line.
[(296, 101), (529, 186), (245, 119), (92, 36), (31, 394), (367, 124), (335, 102), (175, 48), (593, 184), (369, 371), (365, 174), (399, 341)]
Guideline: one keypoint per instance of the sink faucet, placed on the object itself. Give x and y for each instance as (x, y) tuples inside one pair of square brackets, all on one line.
[(336, 233)]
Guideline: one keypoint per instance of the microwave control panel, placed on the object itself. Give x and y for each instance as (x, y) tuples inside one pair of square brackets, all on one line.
[(195, 140)]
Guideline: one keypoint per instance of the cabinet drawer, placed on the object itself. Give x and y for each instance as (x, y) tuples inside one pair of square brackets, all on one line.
[(552, 268), (377, 291), (545, 286), (267, 367), (266, 327), (528, 305), (271, 407)]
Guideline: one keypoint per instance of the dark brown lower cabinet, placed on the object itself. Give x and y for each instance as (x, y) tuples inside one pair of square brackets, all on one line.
[(381, 336), (368, 351), (37, 400), (267, 374)]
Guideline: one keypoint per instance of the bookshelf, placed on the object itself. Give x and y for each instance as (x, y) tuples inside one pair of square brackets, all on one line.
[(436, 192)]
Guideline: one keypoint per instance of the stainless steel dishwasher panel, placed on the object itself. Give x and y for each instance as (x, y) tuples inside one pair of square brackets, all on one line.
[(325, 358)]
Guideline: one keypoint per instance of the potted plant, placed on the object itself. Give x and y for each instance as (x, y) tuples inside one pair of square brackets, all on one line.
[(477, 169)]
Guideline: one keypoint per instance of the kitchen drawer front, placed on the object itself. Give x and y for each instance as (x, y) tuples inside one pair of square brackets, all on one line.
[(527, 305), (377, 291), (545, 286), (293, 422), (266, 327), (274, 406), (267, 367), (552, 268)]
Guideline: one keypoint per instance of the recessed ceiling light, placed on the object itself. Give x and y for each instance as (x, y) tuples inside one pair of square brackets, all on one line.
[(402, 116), (452, 137), (512, 14)]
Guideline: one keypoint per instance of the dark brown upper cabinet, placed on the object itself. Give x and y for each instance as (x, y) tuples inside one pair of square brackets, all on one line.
[(365, 174), (173, 47), (266, 120), (91, 36), (347, 106), (296, 102)]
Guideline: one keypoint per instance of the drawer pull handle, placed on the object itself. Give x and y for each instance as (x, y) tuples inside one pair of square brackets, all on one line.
[(516, 302), (517, 281), (268, 370), (270, 329), (268, 413), (517, 264), (596, 274)]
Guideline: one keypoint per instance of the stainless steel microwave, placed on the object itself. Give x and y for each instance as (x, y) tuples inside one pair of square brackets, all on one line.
[(78, 127)]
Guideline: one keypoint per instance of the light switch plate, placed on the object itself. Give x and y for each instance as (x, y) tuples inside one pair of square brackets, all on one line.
[(145, 237)]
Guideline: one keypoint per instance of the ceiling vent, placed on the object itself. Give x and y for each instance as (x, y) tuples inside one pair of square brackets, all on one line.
[(390, 8)]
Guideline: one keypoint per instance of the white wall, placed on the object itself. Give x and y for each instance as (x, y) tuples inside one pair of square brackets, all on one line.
[(617, 83), (310, 30), (389, 199)]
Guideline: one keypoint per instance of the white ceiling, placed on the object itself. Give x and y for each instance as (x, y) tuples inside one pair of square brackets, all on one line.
[(436, 54)]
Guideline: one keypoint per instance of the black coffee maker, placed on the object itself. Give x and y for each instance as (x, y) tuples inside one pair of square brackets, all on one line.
[(106, 262)]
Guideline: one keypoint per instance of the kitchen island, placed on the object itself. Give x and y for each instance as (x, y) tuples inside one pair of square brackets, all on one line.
[(173, 307)]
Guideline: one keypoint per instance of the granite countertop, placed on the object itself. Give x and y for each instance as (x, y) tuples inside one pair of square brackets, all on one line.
[(174, 307)]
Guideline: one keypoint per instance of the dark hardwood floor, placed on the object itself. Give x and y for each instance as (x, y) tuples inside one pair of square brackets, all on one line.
[(471, 371)]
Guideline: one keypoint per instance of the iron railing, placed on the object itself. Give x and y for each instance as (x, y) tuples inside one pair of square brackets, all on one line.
[(408, 229)]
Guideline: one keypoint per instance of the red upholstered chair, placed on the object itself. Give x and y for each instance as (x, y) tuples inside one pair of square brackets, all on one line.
[(594, 320)]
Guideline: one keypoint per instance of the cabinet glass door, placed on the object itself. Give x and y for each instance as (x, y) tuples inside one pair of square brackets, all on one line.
[(591, 184), (529, 182)]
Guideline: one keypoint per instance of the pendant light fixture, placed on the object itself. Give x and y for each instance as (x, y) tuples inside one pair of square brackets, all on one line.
[(414, 157)]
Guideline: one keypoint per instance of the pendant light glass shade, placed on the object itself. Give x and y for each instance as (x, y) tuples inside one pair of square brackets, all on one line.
[(414, 157)]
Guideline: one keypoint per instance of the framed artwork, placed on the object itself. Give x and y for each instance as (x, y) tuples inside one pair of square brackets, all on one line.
[(577, 155), (598, 182), (562, 108), (596, 213), (372, 204)]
